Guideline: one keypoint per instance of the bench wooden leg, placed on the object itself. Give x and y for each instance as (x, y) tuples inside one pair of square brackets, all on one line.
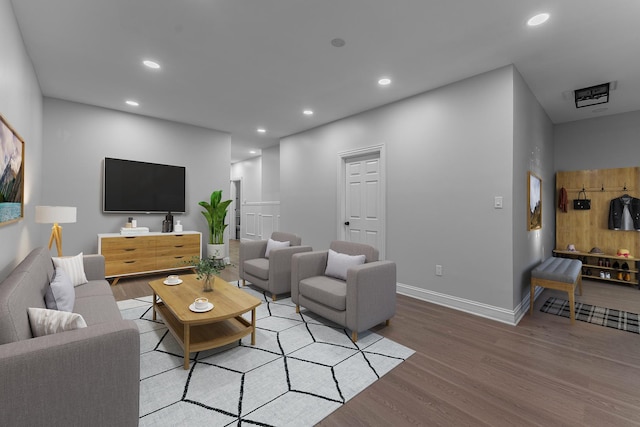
[(572, 305), (580, 284)]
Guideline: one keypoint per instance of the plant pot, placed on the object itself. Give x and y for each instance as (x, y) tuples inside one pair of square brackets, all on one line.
[(215, 251)]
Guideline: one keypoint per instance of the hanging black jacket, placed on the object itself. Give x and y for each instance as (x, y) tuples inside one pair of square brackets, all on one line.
[(616, 208)]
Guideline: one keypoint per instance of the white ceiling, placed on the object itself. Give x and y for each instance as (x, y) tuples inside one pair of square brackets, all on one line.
[(235, 65)]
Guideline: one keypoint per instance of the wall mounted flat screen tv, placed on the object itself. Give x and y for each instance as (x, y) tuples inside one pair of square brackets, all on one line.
[(140, 187)]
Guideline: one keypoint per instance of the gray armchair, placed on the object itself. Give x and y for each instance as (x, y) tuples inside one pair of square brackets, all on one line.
[(272, 274), (366, 298)]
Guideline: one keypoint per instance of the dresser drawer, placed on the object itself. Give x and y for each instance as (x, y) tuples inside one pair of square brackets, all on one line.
[(117, 245), (119, 267)]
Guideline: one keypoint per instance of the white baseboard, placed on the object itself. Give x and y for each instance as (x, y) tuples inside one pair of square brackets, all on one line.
[(499, 314)]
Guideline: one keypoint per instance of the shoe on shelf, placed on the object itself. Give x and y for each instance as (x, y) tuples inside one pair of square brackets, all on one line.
[(627, 276), (602, 275), (625, 266), (616, 264), (588, 272), (607, 263), (607, 275), (619, 275)]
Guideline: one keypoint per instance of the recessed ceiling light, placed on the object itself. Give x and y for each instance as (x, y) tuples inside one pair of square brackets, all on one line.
[(540, 18), (261, 130), (308, 112), (338, 42), (151, 64), (132, 103), (384, 81), (252, 152)]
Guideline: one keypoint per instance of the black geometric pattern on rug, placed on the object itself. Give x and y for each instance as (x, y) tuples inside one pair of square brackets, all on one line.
[(301, 369), (616, 319)]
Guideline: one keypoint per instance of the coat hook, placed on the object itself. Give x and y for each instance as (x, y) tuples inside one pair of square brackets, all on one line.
[(602, 189), (625, 187)]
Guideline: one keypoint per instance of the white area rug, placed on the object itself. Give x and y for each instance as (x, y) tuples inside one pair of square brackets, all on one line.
[(301, 369)]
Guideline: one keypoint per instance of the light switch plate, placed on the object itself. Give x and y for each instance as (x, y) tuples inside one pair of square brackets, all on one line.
[(497, 202)]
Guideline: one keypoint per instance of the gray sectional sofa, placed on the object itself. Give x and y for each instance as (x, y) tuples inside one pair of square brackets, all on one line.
[(88, 376)]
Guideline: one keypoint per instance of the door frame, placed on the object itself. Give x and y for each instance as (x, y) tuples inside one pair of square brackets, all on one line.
[(343, 158)]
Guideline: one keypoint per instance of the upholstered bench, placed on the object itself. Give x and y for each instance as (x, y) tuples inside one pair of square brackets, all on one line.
[(562, 274)]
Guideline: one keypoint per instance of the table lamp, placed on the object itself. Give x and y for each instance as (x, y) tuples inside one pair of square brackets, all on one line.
[(55, 215)]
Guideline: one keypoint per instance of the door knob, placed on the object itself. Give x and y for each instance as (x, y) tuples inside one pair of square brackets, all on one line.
[(346, 223)]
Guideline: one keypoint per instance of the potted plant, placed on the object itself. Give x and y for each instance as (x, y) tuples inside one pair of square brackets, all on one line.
[(215, 213), (206, 269)]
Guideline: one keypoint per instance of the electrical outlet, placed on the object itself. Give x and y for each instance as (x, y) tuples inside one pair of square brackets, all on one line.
[(438, 270)]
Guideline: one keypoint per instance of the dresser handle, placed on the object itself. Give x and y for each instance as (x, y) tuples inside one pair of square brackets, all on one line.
[(129, 249), (129, 262), (179, 246)]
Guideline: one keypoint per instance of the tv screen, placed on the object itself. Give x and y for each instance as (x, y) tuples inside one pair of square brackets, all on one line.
[(131, 186)]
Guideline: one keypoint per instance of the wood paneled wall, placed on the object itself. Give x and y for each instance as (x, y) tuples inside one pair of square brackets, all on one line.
[(586, 229)]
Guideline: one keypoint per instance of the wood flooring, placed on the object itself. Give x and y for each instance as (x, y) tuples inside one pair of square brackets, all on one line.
[(471, 371)]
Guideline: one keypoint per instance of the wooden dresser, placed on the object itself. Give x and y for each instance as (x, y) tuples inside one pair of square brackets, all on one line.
[(147, 253)]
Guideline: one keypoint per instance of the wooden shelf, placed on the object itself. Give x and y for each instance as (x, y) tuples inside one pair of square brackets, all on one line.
[(587, 259)]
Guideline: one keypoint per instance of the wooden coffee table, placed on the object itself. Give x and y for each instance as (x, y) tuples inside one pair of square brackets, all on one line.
[(203, 331)]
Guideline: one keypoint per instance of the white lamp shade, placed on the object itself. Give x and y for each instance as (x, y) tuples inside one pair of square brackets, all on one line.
[(55, 214)]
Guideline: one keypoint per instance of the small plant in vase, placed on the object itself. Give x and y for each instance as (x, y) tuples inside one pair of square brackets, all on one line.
[(206, 269)]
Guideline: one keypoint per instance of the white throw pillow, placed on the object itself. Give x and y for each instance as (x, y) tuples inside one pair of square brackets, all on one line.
[(60, 295), (274, 244), (46, 322), (73, 266), (338, 264)]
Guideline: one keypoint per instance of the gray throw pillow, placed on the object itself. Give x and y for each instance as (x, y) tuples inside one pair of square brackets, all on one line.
[(274, 244), (61, 295), (338, 264)]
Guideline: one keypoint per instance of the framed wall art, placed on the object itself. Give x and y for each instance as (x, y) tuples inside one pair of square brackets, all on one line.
[(11, 174), (534, 198)]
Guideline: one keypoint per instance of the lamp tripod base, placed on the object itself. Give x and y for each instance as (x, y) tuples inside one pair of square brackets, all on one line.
[(56, 234)]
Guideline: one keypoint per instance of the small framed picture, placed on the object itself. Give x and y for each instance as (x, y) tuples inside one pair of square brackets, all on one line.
[(534, 198)]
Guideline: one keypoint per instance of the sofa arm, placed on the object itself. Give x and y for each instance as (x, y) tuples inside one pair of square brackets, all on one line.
[(280, 267), (89, 376), (93, 266), (371, 294), (304, 265), (250, 249)]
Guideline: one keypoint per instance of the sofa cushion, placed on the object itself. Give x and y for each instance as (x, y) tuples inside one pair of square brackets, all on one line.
[(258, 267), (338, 264), (325, 290), (60, 294), (46, 322), (93, 288), (274, 244), (98, 309), (73, 266)]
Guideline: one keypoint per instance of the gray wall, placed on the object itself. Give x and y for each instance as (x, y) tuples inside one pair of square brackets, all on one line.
[(271, 174), (21, 106), (600, 143), (449, 152), (533, 151), (77, 139)]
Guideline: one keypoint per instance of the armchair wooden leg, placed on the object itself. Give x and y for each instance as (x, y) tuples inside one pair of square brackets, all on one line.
[(297, 308), (354, 336), (386, 323), (273, 297), (243, 282)]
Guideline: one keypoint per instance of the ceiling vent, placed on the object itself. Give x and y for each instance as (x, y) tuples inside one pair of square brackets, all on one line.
[(593, 95)]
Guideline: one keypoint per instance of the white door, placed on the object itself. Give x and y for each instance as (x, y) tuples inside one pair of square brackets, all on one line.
[(364, 211)]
